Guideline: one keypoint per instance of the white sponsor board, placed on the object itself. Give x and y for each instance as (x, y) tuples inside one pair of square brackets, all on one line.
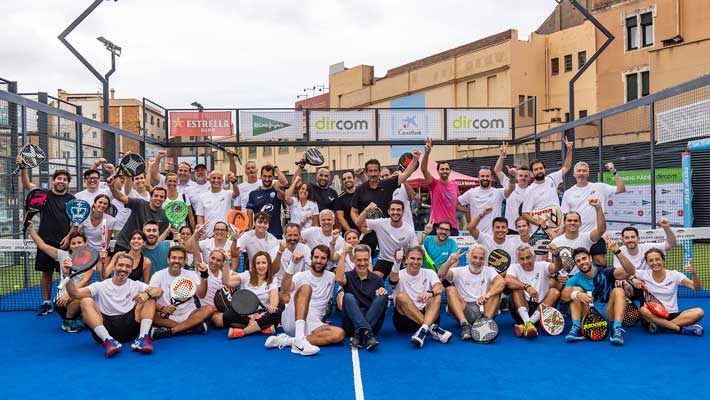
[(342, 125), (478, 123), (411, 124), (685, 122), (269, 125)]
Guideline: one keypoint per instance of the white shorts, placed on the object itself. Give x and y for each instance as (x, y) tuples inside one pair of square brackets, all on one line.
[(288, 320)]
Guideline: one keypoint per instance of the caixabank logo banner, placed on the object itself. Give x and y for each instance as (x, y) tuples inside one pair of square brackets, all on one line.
[(410, 124)]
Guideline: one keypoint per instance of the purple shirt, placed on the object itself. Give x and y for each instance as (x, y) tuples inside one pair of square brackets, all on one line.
[(444, 197)]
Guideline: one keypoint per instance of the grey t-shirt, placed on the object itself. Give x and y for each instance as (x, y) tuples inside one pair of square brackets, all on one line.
[(140, 214)]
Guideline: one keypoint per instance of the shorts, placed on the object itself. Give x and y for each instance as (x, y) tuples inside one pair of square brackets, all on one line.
[(403, 324), (288, 320), (385, 267), (124, 327), (62, 312), (598, 248), (532, 306), (45, 263)]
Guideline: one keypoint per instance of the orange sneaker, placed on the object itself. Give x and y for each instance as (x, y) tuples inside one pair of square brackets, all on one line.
[(269, 330), (234, 333), (519, 330), (530, 330)]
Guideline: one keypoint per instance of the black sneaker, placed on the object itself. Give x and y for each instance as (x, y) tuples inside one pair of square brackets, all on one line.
[(44, 309), (356, 340), (159, 332), (200, 329), (369, 339)]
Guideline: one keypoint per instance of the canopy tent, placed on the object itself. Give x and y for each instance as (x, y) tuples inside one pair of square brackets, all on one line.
[(417, 178)]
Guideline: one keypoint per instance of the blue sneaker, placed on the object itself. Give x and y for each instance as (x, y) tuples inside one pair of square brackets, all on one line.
[(418, 337), (143, 344), (652, 328), (575, 334), (112, 347), (617, 336), (692, 330)]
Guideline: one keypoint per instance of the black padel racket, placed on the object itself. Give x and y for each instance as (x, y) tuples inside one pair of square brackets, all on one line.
[(373, 213), (312, 157), (224, 149), (83, 259), (631, 314), (404, 161), (131, 165), (245, 302), (594, 325), (31, 156)]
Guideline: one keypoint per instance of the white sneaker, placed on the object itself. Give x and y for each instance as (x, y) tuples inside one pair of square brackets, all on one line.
[(281, 340), (440, 334), (303, 347), (418, 338)]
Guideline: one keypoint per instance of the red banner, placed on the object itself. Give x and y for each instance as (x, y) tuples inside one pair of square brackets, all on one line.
[(205, 123)]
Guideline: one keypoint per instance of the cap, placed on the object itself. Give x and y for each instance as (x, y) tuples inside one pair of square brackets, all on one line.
[(201, 166)]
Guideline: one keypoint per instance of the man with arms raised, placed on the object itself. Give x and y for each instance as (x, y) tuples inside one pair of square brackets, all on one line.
[(183, 173), (440, 246), (322, 193), (309, 292), (290, 247), (635, 251), (444, 193), (501, 247), (514, 202), (268, 197), (257, 239), (117, 309), (252, 183), (485, 196), (403, 193)]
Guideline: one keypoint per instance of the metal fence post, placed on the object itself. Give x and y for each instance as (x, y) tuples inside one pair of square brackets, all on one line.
[(79, 151), (600, 160), (43, 132), (652, 140)]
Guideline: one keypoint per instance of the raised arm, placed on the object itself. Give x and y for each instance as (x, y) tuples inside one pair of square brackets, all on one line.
[(154, 168), (340, 271), (232, 163), (620, 186), (288, 196), (694, 284), (115, 185), (568, 157), (498, 168), (445, 272), (510, 187), (401, 178), (425, 161), (627, 267), (473, 225), (671, 241), (25, 176), (361, 219), (46, 249), (597, 233)]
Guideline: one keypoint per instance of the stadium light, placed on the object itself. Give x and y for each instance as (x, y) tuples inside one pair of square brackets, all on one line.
[(197, 105), (110, 46)]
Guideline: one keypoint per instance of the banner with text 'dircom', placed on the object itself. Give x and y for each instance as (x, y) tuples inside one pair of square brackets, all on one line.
[(200, 123), (478, 123), (342, 125), (271, 125)]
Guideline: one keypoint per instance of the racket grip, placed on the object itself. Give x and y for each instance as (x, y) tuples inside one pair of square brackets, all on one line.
[(63, 282)]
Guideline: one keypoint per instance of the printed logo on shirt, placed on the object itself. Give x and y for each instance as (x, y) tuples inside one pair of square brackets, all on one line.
[(272, 194)]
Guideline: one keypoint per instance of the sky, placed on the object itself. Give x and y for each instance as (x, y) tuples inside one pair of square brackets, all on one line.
[(237, 53)]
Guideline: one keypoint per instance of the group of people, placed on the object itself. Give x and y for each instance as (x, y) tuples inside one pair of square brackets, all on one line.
[(356, 239)]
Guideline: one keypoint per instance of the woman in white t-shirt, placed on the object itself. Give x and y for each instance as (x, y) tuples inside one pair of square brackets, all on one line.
[(215, 263), (171, 183), (99, 225), (663, 284), (303, 211), (259, 280)]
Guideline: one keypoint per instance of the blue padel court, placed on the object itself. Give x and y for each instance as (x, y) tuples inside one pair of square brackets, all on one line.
[(42, 361)]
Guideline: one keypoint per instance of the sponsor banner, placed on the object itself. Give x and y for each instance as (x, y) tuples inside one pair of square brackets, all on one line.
[(268, 125), (411, 124), (342, 125), (205, 123), (685, 122), (478, 124)]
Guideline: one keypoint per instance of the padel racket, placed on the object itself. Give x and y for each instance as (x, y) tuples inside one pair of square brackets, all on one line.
[(551, 320), (631, 314), (594, 325), (373, 213), (499, 259), (404, 161), (34, 201), (83, 259), (238, 219), (245, 302), (77, 211), (313, 157), (176, 213), (539, 241), (224, 149), (181, 291), (223, 299), (654, 305), (31, 156), (485, 330), (566, 258), (131, 165)]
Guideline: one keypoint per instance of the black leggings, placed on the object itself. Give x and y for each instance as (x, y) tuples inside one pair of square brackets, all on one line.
[(266, 320)]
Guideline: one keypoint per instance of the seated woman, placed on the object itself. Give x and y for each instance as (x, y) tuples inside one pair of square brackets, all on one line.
[(663, 284), (142, 266), (215, 263)]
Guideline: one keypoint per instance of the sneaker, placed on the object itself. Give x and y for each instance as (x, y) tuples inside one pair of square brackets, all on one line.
[(504, 304), (692, 330), (617, 336), (303, 347), (369, 339), (440, 334), (44, 309), (70, 325), (160, 332), (234, 333), (575, 334), (519, 330), (270, 330), (652, 328), (465, 331), (530, 330), (356, 340), (278, 341), (143, 344), (199, 329), (418, 337), (111, 346)]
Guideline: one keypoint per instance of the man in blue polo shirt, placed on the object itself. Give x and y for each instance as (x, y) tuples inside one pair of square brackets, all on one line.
[(439, 246), (364, 302)]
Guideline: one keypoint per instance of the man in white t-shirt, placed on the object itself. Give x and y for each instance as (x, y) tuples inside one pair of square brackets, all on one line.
[(501, 247), (541, 198), (529, 282), (486, 195), (522, 176), (326, 235), (572, 238), (202, 184), (392, 234), (257, 239), (183, 173), (403, 193), (635, 251), (576, 199), (309, 292), (93, 187), (214, 205), (288, 248), (417, 299), (118, 309), (471, 287), (171, 319)]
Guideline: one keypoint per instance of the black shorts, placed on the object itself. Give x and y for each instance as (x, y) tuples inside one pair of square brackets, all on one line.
[(123, 328), (62, 312), (403, 324), (532, 306), (598, 248), (45, 263), (385, 267)]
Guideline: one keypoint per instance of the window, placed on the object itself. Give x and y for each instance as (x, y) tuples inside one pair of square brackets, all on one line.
[(531, 104), (568, 62), (647, 29), (555, 66), (93, 116), (566, 117), (581, 59), (283, 149), (151, 120), (267, 151), (93, 135), (158, 122), (632, 87), (582, 113), (96, 153), (252, 152), (521, 105), (300, 149), (632, 33), (645, 84)]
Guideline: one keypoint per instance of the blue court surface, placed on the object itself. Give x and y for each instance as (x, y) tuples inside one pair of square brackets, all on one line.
[(41, 361)]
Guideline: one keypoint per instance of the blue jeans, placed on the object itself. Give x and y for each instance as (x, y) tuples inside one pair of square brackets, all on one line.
[(355, 317)]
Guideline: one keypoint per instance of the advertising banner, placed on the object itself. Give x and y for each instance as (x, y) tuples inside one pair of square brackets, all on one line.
[(411, 124), (205, 123), (342, 125), (478, 124), (267, 125)]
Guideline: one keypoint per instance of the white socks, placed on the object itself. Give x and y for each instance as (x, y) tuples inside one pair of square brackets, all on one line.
[(145, 327), (102, 333), (300, 328), (523, 312)]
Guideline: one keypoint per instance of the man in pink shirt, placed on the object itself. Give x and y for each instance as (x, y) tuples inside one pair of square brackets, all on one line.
[(443, 193)]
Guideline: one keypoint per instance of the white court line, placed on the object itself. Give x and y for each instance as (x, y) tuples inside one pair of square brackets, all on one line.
[(357, 378)]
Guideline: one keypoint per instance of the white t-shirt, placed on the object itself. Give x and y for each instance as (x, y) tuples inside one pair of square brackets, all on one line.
[(498, 253), (513, 204), (298, 211), (401, 194), (162, 279), (250, 244), (214, 283), (214, 207), (93, 233), (195, 191), (322, 291), (122, 214), (638, 260), (135, 195), (477, 198), (539, 278), (667, 291), (287, 255), (577, 199), (472, 286), (112, 299), (244, 189), (263, 291), (90, 196), (566, 246), (349, 262), (314, 236), (182, 188), (541, 195), (207, 245), (391, 239), (415, 285)]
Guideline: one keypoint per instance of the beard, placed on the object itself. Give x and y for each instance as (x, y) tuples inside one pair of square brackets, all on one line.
[(475, 269), (540, 176), (318, 268), (485, 183)]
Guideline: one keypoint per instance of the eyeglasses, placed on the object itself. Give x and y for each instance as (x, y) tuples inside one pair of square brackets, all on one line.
[(92, 178), (444, 229), (219, 230)]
